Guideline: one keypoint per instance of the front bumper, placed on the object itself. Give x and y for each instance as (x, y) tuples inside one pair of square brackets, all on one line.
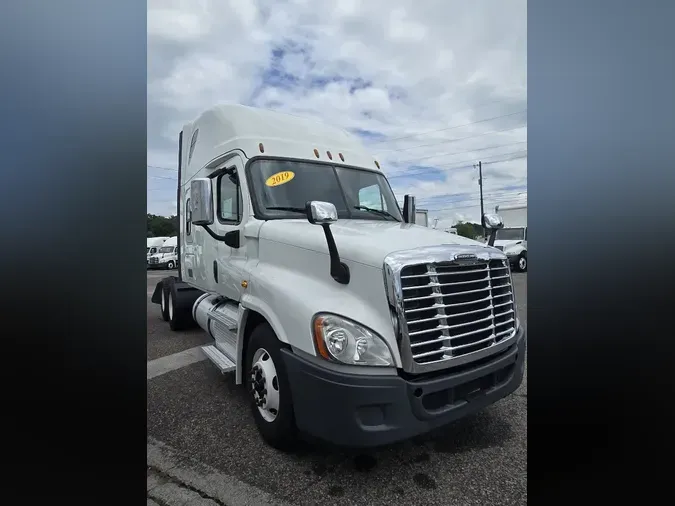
[(158, 265), (359, 410), (513, 258)]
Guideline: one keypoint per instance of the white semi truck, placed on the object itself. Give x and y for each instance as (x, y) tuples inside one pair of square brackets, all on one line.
[(154, 244), (512, 239), (343, 319), (166, 256)]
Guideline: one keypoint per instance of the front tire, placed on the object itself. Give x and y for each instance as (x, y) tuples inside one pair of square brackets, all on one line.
[(170, 265), (521, 263), (269, 389)]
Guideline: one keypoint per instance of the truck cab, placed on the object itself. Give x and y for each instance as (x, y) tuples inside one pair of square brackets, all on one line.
[(343, 319), (153, 245), (512, 238), (166, 256)]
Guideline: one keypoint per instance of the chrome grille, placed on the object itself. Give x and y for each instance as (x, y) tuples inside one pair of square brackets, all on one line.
[(452, 310)]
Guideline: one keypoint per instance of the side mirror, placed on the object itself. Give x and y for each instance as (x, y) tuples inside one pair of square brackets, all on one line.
[(201, 202), (409, 209), (321, 213), (492, 221), (325, 213)]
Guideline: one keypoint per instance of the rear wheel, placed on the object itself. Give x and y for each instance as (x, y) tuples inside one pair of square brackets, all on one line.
[(269, 389), (178, 319), (165, 302)]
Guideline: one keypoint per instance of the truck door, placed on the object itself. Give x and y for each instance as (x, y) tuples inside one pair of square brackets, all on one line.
[(228, 266)]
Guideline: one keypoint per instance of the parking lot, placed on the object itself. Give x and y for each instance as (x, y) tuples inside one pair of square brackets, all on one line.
[(203, 447)]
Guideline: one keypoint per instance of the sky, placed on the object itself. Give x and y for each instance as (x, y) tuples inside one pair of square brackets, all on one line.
[(430, 87)]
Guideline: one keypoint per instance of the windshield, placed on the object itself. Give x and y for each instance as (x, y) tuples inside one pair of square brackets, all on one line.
[(356, 193), (166, 249), (510, 234)]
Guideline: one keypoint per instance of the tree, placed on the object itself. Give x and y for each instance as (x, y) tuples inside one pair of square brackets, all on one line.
[(468, 229), (162, 226)]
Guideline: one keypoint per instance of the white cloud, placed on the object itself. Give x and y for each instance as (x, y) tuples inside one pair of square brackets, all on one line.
[(443, 81)]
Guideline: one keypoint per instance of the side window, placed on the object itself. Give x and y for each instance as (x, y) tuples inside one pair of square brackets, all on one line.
[(188, 218), (193, 143), (370, 196), (229, 198)]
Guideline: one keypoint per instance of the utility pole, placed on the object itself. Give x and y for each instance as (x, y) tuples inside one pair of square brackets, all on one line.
[(480, 185)]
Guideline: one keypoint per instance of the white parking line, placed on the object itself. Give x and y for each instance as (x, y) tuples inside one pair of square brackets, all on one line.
[(176, 361)]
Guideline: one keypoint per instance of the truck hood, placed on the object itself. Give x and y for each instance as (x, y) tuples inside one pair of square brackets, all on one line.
[(506, 244), (363, 241)]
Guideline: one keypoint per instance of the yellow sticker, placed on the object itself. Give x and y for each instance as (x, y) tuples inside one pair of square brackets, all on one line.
[(280, 178)]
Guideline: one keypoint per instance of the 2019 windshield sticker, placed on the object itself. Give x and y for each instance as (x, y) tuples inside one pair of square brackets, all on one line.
[(280, 178)]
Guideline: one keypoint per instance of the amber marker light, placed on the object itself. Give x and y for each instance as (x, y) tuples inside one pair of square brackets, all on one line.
[(318, 338)]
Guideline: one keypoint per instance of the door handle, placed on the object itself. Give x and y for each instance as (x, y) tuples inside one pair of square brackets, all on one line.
[(215, 270)]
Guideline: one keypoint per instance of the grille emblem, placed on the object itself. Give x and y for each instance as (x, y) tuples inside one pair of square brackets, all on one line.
[(465, 257)]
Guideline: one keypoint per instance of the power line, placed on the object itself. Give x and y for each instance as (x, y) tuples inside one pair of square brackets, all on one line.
[(448, 141), (445, 168), (460, 152), (486, 198), (449, 128), (493, 192), (162, 168), (419, 121), (476, 205), (162, 177)]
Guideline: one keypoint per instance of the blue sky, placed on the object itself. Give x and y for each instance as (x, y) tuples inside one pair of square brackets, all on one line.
[(429, 87)]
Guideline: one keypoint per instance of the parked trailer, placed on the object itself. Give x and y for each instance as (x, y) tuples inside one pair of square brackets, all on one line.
[(318, 296)]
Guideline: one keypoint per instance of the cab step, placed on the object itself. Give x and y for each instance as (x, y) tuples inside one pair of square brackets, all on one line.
[(219, 358)]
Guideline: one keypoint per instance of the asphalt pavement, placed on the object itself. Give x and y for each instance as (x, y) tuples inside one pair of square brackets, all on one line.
[(202, 420)]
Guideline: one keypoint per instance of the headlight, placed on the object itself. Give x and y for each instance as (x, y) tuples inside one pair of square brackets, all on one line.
[(348, 342)]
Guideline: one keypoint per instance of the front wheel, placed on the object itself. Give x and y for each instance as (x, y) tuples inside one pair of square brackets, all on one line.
[(170, 265), (522, 262), (269, 389)]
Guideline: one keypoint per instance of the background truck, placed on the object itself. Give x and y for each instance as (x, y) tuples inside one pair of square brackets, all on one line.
[(166, 256), (422, 217), (512, 239), (154, 244), (342, 320)]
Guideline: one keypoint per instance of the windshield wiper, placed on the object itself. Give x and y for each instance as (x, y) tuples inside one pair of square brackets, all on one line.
[(292, 209), (376, 211)]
